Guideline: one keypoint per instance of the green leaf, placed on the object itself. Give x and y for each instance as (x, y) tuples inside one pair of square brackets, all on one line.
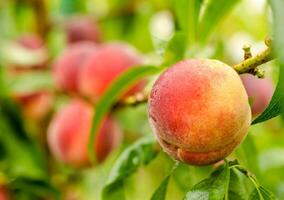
[(187, 13), (68, 7), (214, 12), (261, 193), (23, 158), (136, 155), (161, 191), (278, 18), (114, 92), (175, 49), (32, 81), (38, 188), (215, 187), (248, 148), (274, 107), (236, 186)]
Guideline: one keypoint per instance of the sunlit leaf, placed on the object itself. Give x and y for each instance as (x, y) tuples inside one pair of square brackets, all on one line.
[(187, 12), (278, 17), (214, 12)]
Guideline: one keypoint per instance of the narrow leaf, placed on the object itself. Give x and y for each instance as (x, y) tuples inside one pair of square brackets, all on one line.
[(214, 12), (175, 49), (278, 18), (117, 88), (136, 155), (187, 13), (274, 107), (161, 191), (215, 187)]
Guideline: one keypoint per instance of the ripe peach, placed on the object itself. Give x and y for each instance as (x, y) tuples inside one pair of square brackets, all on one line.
[(69, 64), (109, 61), (36, 105), (68, 134), (82, 28), (260, 92), (199, 111)]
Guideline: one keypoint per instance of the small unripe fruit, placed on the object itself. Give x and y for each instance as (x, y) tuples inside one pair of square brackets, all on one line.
[(199, 111), (260, 92), (82, 29), (109, 61), (69, 131), (68, 65)]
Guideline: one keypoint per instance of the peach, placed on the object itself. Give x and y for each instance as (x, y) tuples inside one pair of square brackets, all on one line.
[(68, 134), (81, 28), (68, 65), (109, 62), (28, 52), (36, 105), (260, 92), (31, 41), (199, 111)]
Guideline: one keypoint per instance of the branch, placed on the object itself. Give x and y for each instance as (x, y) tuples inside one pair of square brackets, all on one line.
[(132, 101), (250, 64)]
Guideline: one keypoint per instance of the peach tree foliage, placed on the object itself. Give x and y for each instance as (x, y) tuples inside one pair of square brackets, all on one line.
[(226, 181)]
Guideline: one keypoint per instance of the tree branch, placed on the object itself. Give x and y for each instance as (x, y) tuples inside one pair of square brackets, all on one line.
[(250, 64)]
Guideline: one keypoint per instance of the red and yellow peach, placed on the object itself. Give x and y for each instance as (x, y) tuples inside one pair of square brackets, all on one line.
[(69, 131), (199, 111)]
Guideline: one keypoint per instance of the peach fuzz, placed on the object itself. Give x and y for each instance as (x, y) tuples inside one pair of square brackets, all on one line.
[(199, 111), (69, 64), (69, 131), (109, 62), (260, 92)]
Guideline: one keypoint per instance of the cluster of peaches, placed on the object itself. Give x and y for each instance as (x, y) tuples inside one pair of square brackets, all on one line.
[(200, 109)]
